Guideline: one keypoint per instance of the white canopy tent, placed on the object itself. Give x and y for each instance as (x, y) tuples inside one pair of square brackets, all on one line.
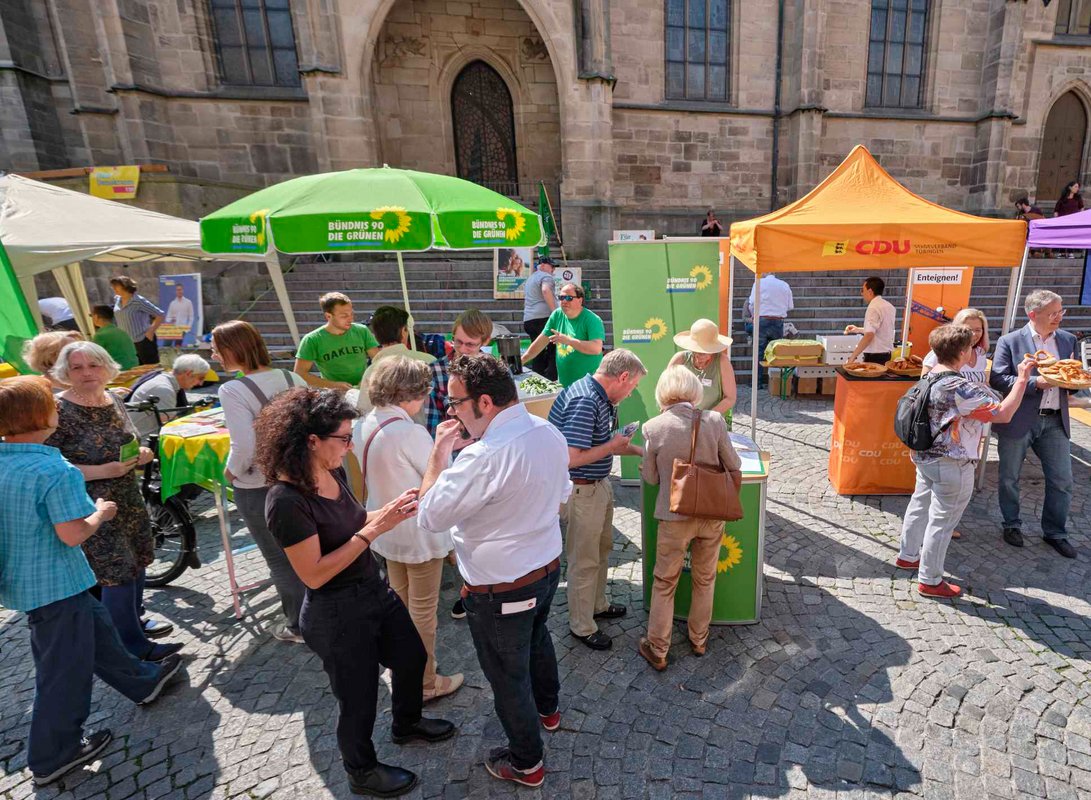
[(45, 228)]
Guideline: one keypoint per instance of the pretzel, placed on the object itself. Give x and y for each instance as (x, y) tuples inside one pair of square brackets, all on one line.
[(1039, 355), (912, 362), (1068, 371)]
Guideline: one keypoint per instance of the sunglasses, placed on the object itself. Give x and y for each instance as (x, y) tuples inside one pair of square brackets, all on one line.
[(567, 298), (455, 402)]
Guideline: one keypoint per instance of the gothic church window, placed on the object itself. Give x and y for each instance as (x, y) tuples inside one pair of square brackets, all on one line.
[(1073, 17), (698, 49), (255, 42), (896, 53)]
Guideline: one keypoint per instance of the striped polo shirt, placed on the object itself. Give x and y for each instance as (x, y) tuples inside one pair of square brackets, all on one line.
[(136, 317), (587, 418)]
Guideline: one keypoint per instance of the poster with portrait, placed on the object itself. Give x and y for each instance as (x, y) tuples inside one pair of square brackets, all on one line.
[(180, 298), (511, 268)]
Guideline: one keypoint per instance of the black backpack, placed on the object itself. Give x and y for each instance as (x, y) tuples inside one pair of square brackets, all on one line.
[(911, 420)]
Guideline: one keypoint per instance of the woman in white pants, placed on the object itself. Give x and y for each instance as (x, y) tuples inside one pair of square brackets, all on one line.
[(958, 411)]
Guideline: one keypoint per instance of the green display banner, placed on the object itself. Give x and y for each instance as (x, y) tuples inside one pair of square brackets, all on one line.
[(657, 289), (16, 323), (737, 568)]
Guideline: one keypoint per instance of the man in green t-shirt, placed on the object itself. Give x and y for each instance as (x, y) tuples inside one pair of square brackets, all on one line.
[(112, 339), (577, 333), (340, 348)]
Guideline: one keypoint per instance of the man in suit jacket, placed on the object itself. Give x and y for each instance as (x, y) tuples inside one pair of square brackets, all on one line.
[(1040, 424)]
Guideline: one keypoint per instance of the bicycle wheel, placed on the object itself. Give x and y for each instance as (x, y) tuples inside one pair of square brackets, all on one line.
[(173, 534)]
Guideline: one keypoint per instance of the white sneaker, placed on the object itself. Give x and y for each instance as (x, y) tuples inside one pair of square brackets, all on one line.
[(282, 633)]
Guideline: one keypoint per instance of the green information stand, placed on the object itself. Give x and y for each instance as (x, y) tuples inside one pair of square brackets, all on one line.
[(737, 599)]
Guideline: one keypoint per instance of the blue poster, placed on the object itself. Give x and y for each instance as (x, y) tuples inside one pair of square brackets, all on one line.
[(180, 296), (1085, 288)]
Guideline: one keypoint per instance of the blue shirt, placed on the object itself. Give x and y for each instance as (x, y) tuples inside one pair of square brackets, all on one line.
[(136, 317), (39, 489), (587, 418)]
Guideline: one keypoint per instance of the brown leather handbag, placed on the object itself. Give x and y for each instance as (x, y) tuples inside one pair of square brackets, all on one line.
[(702, 491)]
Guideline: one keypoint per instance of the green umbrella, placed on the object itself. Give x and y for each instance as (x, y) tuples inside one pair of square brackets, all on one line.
[(374, 211)]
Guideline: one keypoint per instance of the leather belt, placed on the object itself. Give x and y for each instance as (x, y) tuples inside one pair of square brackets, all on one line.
[(584, 481), (518, 583), (1048, 412)]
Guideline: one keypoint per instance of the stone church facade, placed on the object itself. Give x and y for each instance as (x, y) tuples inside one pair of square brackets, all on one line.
[(634, 113)]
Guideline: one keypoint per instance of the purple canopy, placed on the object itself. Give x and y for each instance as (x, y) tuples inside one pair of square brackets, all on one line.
[(1072, 231)]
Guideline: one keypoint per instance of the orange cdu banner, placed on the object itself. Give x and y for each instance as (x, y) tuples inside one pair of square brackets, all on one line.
[(937, 295)]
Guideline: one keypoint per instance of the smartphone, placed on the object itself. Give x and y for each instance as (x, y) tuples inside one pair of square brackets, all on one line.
[(630, 429)]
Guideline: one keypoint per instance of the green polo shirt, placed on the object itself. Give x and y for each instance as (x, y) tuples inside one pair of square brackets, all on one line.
[(339, 358), (571, 363), (117, 343)]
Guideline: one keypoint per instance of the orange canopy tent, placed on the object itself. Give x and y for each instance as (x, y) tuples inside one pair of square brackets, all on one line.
[(860, 218)]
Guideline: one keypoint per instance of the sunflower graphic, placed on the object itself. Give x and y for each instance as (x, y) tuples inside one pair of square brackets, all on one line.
[(255, 217), (393, 233), (657, 327), (515, 229), (733, 556), (703, 275)]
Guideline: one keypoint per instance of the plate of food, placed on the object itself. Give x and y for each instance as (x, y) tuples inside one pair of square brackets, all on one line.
[(1043, 358), (909, 366), (1066, 374), (864, 369)]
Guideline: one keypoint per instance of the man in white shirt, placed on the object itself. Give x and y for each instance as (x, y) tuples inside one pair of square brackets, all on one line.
[(502, 499), (877, 343), (58, 312), (180, 310), (776, 302)]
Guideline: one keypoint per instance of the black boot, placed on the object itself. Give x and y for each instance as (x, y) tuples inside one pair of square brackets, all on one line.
[(383, 781), (426, 730)]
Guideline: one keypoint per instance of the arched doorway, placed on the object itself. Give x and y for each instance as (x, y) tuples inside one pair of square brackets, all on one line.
[(1061, 159), (484, 128)]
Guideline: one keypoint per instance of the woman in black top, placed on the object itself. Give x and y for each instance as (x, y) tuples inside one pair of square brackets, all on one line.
[(350, 617)]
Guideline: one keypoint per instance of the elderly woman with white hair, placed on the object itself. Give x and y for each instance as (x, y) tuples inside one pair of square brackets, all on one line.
[(667, 437), (92, 429)]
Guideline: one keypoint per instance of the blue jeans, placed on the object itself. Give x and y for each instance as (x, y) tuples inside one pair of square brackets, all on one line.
[(354, 629), (124, 602), (768, 330), (1048, 441), (516, 654), (71, 640)]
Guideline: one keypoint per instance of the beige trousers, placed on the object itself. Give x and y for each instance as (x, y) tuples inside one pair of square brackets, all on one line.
[(588, 541), (702, 537), (417, 585)]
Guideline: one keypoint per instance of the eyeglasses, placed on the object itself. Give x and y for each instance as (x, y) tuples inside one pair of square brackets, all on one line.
[(455, 402), (567, 298), (476, 344), (1058, 314), (346, 439)]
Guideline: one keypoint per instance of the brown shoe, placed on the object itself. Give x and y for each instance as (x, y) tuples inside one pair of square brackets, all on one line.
[(698, 649), (445, 685), (645, 648)]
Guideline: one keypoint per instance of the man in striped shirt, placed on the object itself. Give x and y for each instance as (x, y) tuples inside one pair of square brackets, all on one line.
[(137, 316), (586, 413)]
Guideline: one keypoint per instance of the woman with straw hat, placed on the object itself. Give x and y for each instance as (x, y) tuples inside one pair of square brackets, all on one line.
[(705, 354)]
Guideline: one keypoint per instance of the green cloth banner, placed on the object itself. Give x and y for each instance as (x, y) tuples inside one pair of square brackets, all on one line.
[(16, 323), (658, 289)]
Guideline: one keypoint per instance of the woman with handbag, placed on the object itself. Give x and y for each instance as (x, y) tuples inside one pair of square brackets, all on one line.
[(698, 443), (392, 451)]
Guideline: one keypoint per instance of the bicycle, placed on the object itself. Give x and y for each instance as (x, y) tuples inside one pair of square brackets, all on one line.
[(173, 530)]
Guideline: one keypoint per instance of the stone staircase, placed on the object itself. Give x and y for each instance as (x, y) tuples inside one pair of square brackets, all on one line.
[(441, 285)]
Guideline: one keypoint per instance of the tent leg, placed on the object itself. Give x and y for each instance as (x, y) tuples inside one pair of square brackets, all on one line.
[(754, 360), (405, 299), (70, 279), (277, 277), (1015, 288), (730, 293), (908, 306), (30, 294)]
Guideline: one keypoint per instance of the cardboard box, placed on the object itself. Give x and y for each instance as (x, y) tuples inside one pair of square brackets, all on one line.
[(775, 378), (840, 343), (790, 352), (807, 386), (834, 359), (829, 386)]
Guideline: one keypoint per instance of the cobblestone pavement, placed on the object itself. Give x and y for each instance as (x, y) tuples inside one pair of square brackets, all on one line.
[(851, 684)]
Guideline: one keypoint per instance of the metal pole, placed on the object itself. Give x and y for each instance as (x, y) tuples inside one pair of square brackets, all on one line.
[(272, 262), (730, 292), (405, 300), (1015, 288), (754, 360), (908, 307)]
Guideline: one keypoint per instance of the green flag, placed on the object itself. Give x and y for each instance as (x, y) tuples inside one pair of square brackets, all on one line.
[(16, 323), (548, 228)]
